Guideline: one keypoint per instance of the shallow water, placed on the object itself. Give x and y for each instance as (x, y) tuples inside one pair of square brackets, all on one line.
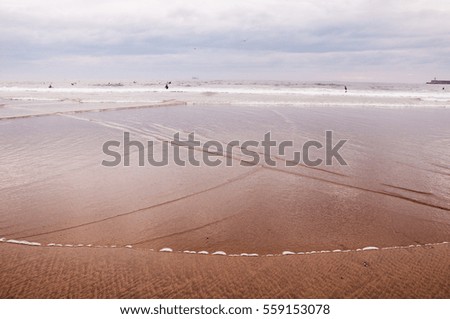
[(395, 189)]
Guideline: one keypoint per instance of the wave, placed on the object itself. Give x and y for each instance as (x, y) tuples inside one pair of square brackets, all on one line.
[(97, 110), (266, 90)]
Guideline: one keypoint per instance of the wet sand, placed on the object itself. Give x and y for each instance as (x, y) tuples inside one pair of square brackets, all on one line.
[(392, 199), (35, 272)]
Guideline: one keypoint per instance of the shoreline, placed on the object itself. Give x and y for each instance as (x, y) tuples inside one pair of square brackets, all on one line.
[(219, 252)]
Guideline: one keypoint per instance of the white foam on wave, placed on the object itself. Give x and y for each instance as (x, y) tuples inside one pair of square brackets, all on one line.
[(394, 97), (435, 99), (22, 242), (370, 248), (222, 253), (79, 90), (118, 101), (40, 99)]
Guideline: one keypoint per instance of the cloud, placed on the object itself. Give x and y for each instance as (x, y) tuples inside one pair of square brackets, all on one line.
[(264, 38)]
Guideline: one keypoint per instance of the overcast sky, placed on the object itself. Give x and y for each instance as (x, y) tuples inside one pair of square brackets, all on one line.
[(347, 40)]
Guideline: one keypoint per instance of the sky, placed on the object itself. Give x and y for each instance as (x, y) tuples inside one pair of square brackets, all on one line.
[(292, 40)]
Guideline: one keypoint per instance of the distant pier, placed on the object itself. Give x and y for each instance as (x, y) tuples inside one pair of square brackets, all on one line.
[(439, 82)]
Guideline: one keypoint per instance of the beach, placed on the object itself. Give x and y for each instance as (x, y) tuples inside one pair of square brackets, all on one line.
[(128, 273), (376, 227)]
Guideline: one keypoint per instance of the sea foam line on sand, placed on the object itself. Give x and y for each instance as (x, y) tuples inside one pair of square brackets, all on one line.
[(19, 242), (220, 252)]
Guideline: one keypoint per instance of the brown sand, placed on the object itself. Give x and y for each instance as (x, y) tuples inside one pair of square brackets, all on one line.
[(35, 272), (394, 192)]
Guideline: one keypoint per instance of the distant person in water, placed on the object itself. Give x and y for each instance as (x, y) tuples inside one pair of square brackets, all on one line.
[(167, 84), (50, 86), (345, 87)]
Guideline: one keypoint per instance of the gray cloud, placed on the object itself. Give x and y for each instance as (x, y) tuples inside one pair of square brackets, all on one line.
[(371, 40)]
